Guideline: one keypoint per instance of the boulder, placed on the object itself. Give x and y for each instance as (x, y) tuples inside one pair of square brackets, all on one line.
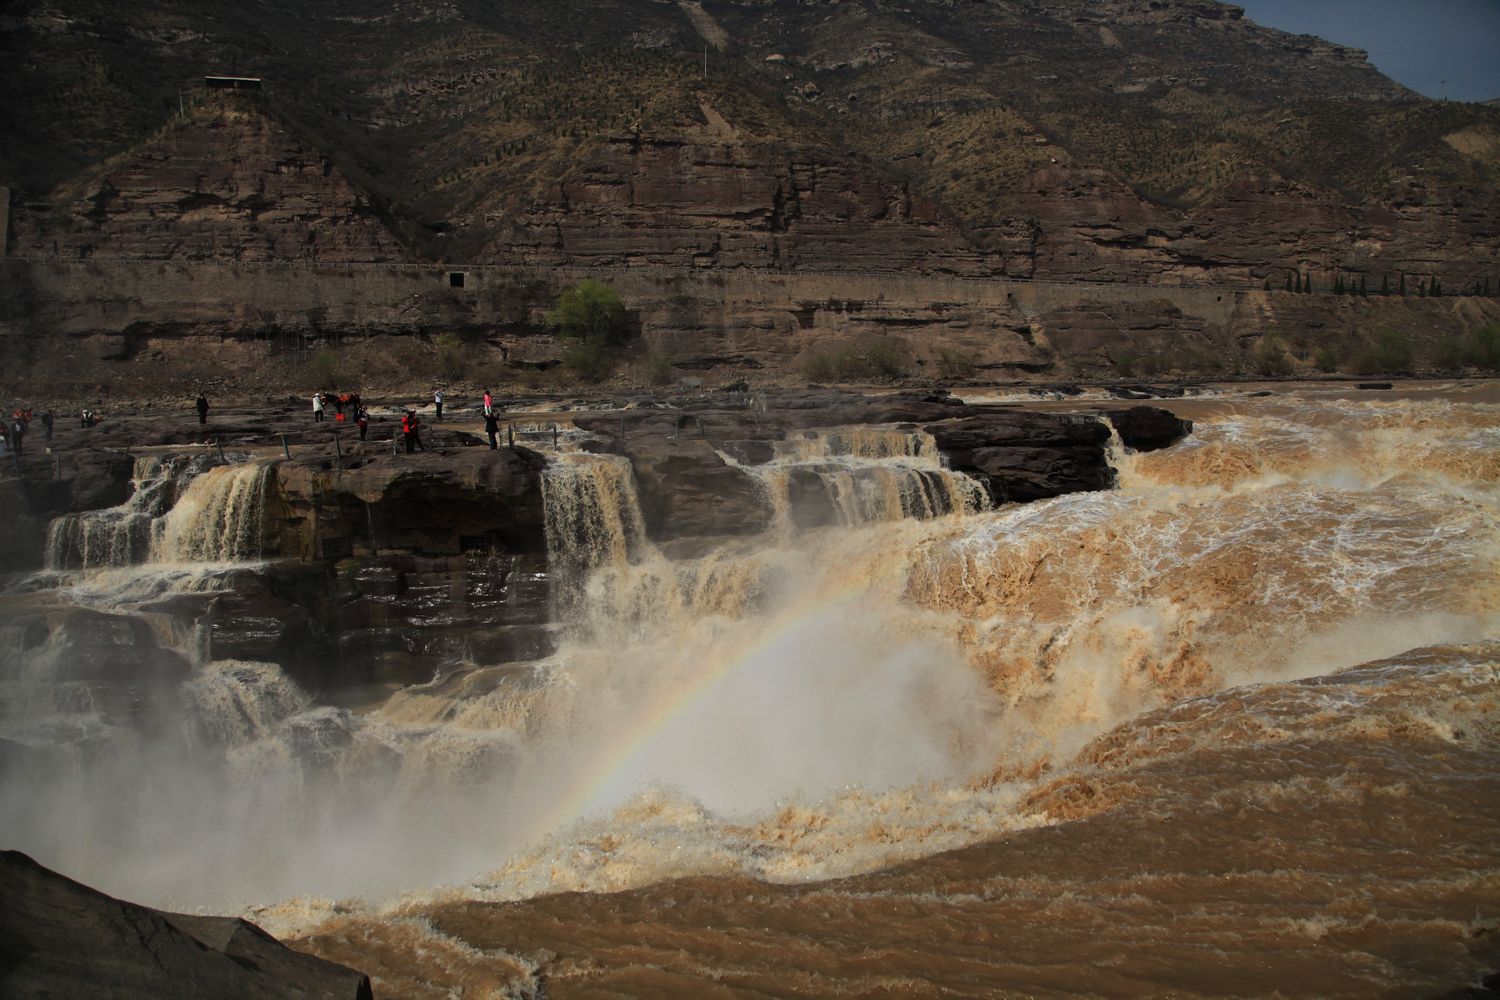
[(61, 938), (687, 490), (1024, 456), (1148, 428)]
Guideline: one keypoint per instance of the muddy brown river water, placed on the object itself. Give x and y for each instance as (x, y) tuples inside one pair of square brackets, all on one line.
[(1232, 729)]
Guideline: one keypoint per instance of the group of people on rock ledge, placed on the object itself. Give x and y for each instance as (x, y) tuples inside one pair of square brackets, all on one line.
[(15, 429), (411, 423)]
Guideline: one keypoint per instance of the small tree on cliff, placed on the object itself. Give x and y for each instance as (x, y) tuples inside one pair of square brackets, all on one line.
[(589, 319)]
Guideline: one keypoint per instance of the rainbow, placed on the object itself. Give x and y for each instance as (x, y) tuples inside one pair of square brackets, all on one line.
[(584, 789)]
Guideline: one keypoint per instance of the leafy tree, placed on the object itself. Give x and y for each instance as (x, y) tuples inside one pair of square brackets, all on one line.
[(589, 310), (590, 319)]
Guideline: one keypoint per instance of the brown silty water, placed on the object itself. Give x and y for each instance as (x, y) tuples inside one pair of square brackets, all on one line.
[(1228, 730)]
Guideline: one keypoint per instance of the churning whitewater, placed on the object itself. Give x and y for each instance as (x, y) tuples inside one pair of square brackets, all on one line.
[(806, 704)]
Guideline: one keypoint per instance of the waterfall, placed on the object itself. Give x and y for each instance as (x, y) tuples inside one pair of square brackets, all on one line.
[(119, 536), (217, 519), (592, 515), (180, 509), (863, 475)]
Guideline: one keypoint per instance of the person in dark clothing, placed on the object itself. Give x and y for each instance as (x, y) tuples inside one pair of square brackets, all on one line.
[(202, 408), (491, 428), (47, 425), (17, 432), (362, 418), (411, 427), (437, 402)]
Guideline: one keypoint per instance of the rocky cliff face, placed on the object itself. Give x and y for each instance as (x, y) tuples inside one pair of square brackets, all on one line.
[(227, 183), (1167, 145), (643, 201)]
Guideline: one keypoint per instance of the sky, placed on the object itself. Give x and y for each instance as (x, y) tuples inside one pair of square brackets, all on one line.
[(1419, 44)]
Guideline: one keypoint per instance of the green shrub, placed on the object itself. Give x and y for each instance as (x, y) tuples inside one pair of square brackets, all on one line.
[(657, 370), (954, 364), (1391, 353), (590, 359), (323, 369), (1327, 359), (589, 310), (452, 356), (885, 357), (1271, 357), (1480, 349)]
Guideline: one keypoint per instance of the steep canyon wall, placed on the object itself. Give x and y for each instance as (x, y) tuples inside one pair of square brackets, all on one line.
[(105, 311)]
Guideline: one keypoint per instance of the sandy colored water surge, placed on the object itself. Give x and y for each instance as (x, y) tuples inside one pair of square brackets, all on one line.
[(1228, 730)]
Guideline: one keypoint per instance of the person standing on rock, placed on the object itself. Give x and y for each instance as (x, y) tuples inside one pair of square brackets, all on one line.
[(411, 428), (362, 418), (437, 402), (491, 428), (202, 408), (317, 407), (17, 432), (489, 403), (47, 425)]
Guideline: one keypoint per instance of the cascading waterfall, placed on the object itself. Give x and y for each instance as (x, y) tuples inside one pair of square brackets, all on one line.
[(119, 536), (218, 518), (592, 515), (866, 475), (181, 509)]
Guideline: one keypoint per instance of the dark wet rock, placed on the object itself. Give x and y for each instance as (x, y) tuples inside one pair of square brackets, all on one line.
[(687, 490), (1024, 456), (812, 503), (749, 452), (256, 627), (23, 543), (423, 503), (1148, 428), (113, 649), (60, 938), (509, 644), (1373, 385)]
